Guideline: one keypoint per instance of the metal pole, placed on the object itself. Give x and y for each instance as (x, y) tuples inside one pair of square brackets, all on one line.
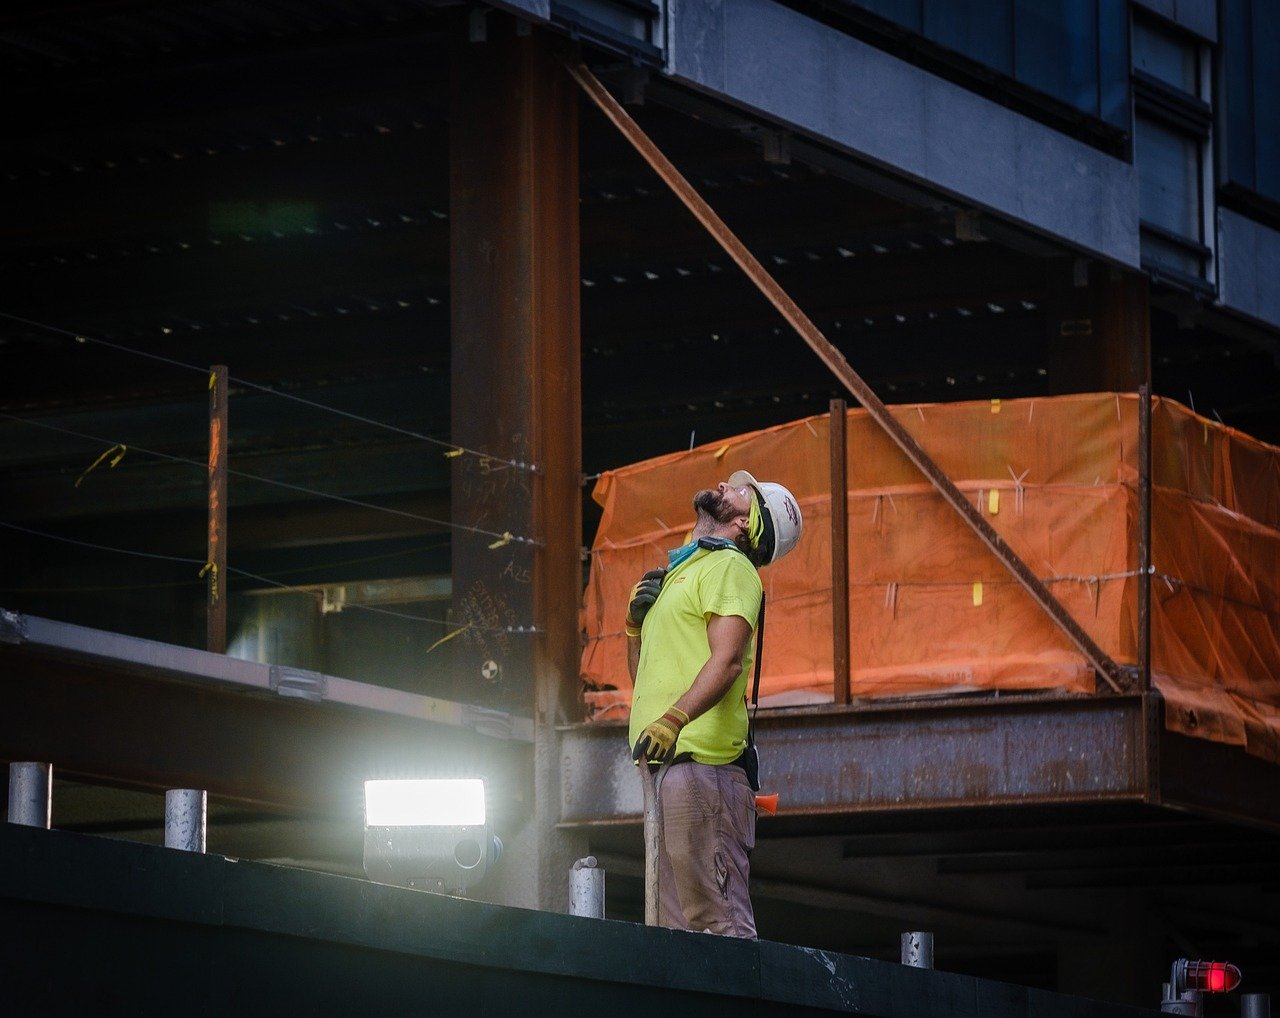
[(840, 691), (1255, 1005), (917, 950), (1144, 536), (586, 889), (31, 794), (652, 843), (216, 617), (1110, 672), (185, 819)]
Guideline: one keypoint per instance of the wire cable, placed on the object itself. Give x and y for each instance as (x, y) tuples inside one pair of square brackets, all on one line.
[(314, 493), (182, 560), (82, 338)]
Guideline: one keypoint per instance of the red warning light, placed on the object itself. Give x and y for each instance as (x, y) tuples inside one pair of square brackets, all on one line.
[(1206, 976)]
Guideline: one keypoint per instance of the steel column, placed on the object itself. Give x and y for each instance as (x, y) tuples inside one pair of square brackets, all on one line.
[(516, 392), (841, 693), (1144, 536), (216, 621), (1108, 670)]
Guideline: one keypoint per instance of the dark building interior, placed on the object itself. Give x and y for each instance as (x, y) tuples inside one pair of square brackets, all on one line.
[(267, 186)]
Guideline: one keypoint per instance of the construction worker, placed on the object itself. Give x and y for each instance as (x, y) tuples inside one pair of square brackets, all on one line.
[(689, 650)]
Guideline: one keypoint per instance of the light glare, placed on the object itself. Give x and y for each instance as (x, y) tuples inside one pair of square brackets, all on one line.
[(424, 802)]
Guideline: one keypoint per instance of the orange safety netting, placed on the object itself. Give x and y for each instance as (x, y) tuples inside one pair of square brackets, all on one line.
[(931, 609)]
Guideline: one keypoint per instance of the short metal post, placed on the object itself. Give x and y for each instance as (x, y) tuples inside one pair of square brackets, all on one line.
[(185, 816), (31, 794), (1255, 1005), (586, 889), (917, 950)]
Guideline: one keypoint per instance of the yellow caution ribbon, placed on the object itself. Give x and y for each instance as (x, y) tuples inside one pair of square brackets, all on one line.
[(114, 460), (722, 450), (505, 539), (977, 594), (453, 454), (447, 637), (211, 570)]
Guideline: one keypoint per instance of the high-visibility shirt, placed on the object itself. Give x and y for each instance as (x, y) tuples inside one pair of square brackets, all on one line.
[(674, 648)]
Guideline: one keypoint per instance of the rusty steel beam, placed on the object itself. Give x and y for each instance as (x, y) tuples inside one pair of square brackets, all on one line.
[(840, 691), (516, 391), (1111, 673), (255, 734), (1144, 535), (827, 762), (219, 439)]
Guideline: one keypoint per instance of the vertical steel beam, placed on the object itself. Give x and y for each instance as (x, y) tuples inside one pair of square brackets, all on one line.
[(216, 616), (1144, 535), (516, 392), (1107, 669), (841, 693)]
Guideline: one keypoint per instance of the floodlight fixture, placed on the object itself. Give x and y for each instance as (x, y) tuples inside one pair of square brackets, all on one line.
[(428, 833)]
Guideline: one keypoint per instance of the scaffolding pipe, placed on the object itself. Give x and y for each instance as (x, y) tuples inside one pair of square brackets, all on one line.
[(917, 950), (186, 812), (586, 889), (31, 794), (1107, 668)]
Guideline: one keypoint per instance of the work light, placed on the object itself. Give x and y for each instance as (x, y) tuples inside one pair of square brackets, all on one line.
[(428, 833)]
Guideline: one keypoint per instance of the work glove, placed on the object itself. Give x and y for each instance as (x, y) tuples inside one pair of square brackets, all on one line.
[(658, 741), (643, 594)]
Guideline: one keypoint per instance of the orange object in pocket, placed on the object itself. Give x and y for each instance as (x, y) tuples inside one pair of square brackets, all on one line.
[(767, 804)]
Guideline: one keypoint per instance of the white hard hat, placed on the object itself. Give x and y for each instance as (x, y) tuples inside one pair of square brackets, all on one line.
[(783, 523)]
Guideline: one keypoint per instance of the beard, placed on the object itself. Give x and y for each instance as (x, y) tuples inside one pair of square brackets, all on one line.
[(712, 503)]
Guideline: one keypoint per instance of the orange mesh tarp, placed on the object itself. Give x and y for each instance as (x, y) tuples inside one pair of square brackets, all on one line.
[(932, 611)]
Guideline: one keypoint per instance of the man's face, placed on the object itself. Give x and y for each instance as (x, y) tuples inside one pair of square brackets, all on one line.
[(724, 503)]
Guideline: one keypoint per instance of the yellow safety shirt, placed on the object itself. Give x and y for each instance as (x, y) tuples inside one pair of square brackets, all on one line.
[(674, 648)]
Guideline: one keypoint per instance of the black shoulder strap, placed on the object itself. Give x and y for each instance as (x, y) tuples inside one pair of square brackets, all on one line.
[(755, 685)]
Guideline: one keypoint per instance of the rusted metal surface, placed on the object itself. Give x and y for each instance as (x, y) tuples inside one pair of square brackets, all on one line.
[(840, 690), (515, 371), (216, 608), (236, 728), (1144, 536), (1110, 672), (901, 757), (516, 391)]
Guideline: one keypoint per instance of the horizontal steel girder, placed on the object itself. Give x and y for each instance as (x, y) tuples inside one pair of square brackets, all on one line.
[(901, 757), (121, 710)]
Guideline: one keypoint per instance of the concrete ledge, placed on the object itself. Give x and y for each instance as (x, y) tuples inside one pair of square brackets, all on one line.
[(114, 925)]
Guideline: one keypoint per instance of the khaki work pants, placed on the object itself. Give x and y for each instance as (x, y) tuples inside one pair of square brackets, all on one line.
[(708, 832)]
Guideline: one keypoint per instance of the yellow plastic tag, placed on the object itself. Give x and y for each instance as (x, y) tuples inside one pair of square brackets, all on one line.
[(977, 594), (995, 406), (722, 450), (993, 501)]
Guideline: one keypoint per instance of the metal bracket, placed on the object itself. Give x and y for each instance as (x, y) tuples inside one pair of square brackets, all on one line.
[(298, 683), (13, 627), (486, 721)]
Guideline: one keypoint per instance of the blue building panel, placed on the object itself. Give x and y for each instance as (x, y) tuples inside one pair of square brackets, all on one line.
[(838, 90), (1248, 267)]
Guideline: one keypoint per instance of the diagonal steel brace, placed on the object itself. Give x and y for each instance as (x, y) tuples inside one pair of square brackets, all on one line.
[(1111, 673)]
